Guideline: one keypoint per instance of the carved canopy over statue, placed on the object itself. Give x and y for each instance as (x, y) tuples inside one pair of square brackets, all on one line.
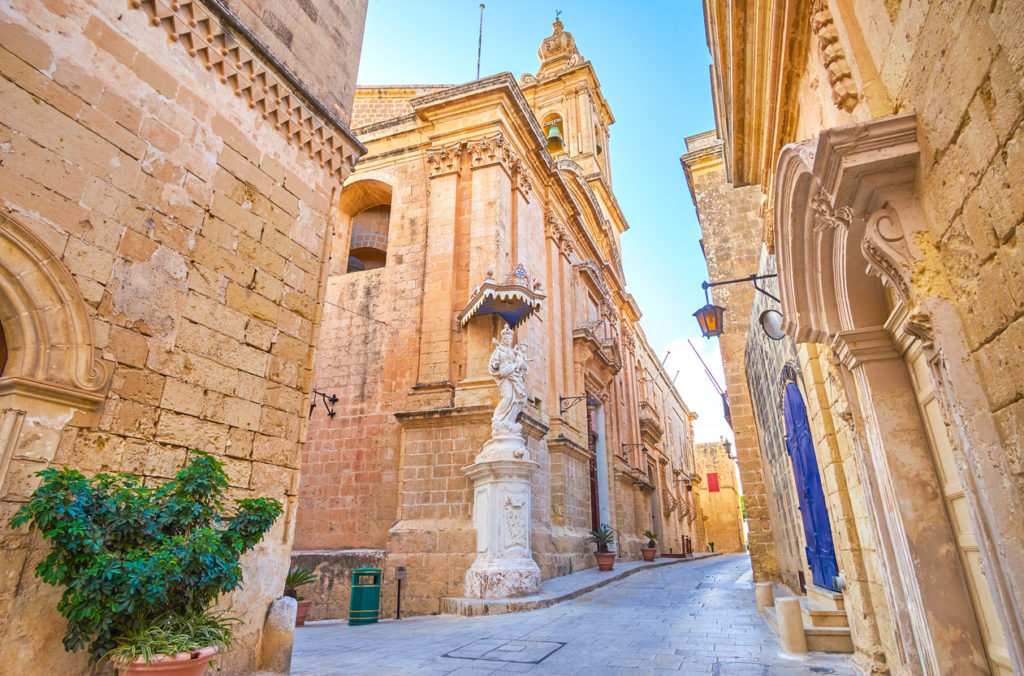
[(508, 366)]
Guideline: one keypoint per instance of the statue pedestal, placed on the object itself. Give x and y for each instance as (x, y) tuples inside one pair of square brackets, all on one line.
[(504, 564)]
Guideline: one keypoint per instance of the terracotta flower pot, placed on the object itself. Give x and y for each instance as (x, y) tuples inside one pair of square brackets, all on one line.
[(182, 664), (605, 560), (648, 553), (302, 611)]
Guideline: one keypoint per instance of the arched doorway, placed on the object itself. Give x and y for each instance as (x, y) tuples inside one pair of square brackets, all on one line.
[(821, 554)]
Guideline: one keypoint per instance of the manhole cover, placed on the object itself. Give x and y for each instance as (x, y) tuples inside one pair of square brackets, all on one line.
[(505, 650), (821, 670)]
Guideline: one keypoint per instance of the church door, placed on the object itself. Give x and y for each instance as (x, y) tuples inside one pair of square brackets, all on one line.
[(595, 511), (821, 555)]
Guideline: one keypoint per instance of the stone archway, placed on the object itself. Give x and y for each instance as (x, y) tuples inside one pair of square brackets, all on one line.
[(848, 240), (51, 368)]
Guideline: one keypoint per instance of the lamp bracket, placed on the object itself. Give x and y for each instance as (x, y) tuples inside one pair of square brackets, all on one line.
[(565, 403), (329, 402), (752, 279)]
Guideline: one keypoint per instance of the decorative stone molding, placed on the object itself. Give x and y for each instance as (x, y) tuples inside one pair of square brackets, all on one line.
[(864, 345), (826, 217), (483, 152), (628, 341), (885, 247), (844, 90), (49, 333), (559, 234), (255, 75), (444, 160), (823, 188), (590, 271)]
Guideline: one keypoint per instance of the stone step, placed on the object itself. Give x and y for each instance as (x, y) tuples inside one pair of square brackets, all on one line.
[(817, 617), (829, 639), (819, 639), (556, 589), (824, 599)]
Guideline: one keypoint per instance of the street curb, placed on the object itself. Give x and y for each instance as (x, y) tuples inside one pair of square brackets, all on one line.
[(478, 607)]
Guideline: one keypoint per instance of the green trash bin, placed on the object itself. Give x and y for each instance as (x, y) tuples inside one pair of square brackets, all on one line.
[(364, 604)]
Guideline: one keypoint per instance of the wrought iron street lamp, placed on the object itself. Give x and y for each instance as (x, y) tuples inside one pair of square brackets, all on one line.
[(710, 317)]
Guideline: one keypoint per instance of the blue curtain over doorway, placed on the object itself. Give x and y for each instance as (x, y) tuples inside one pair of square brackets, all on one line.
[(821, 556)]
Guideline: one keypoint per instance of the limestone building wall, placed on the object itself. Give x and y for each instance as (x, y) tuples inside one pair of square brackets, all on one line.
[(765, 361), (949, 77), (162, 252), (729, 218), (318, 41), (723, 522)]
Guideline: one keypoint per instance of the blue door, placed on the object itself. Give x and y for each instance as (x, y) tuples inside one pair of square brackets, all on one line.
[(821, 555)]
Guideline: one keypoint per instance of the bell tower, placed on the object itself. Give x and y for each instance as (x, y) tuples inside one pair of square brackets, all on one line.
[(565, 95)]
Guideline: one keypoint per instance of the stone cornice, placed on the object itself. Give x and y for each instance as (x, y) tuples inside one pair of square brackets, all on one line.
[(864, 345), (211, 33)]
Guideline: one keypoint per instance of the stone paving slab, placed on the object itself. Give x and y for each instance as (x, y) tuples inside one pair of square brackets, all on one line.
[(558, 589), (700, 618)]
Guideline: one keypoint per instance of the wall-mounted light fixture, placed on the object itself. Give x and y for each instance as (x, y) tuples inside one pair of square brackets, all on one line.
[(329, 402), (565, 403), (710, 316), (626, 446)]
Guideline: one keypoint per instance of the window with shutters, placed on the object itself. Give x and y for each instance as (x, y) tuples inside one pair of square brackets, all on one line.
[(712, 482)]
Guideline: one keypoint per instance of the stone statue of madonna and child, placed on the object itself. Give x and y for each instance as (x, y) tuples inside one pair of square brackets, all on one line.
[(508, 366)]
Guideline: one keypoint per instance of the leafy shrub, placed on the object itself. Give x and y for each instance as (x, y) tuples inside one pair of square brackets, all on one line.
[(603, 536), (297, 577), (173, 634), (131, 556)]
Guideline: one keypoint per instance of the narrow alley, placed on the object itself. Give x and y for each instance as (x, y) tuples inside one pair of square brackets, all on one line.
[(694, 617)]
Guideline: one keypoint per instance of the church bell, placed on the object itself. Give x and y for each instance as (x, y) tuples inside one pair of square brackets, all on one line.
[(555, 142)]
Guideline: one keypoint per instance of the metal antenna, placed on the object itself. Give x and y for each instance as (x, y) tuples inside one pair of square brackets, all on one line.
[(480, 41), (706, 369)]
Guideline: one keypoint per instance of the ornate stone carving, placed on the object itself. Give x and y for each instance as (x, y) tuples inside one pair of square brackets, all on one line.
[(516, 523), (53, 355), (268, 89), (445, 160), (497, 150), (887, 252), (559, 234), (844, 90), (919, 325), (826, 217)]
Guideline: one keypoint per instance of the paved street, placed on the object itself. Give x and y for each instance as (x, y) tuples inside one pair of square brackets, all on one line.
[(696, 617)]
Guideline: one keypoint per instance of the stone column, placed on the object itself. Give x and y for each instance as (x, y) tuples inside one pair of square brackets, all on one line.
[(504, 564)]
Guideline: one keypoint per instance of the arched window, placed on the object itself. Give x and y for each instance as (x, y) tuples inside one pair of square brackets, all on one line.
[(363, 227), (369, 244)]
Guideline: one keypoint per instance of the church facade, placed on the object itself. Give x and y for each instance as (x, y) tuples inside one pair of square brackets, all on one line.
[(482, 207), (872, 151)]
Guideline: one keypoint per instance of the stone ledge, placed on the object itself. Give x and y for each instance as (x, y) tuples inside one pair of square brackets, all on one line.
[(555, 590)]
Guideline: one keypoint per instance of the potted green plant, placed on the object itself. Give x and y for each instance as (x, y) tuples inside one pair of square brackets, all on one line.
[(142, 566), (652, 547), (603, 537), (296, 578)]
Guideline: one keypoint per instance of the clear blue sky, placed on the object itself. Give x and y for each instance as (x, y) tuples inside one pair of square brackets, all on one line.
[(652, 60)]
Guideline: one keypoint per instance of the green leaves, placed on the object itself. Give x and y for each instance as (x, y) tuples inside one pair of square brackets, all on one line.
[(134, 559)]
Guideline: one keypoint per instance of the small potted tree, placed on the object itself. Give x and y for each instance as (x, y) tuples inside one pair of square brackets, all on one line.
[(652, 547), (296, 578), (142, 566), (603, 537)]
